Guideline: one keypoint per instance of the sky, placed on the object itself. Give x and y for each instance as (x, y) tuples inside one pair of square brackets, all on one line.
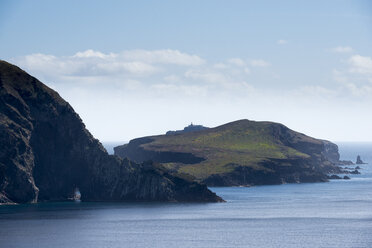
[(138, 68)]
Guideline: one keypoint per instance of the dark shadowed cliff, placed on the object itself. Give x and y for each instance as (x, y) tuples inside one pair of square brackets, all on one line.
[(239, 153), (47, 153)]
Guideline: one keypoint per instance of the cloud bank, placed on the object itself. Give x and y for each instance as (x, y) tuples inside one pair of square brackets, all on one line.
[(142, 92), (144, 70)]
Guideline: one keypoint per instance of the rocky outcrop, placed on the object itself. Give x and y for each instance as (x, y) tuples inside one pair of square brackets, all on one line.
[(338, 177), (352, 172), (47, 154), (359, 160), (330, 151)]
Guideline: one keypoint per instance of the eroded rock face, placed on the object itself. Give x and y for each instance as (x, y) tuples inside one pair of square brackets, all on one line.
[(46, 153), (330, 151)]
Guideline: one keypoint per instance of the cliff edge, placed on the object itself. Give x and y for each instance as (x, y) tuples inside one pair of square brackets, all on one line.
[(47, 154)]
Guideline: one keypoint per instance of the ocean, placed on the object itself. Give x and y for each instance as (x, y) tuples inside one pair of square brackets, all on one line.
[(333, 214)]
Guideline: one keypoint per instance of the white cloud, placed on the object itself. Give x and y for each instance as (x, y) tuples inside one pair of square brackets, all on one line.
[(140, 70), (247, 70), (342, 49), (360, 64), (165, 89), (282, 42), (339, 76), (143, 85), (164, 57), (316, 91), (259, 63), (355, 80), (93, 54), (85, 64), (96, 63), (359, 91), (130, 84), (210, 77), (135, 68), (49, 64), (221, 66), (172, 78), (237, 62), (222, 83)]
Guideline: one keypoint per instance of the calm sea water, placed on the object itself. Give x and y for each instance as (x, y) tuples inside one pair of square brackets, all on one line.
[(334, 214)]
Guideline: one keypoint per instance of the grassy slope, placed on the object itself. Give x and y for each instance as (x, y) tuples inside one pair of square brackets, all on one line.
[(242, 142)]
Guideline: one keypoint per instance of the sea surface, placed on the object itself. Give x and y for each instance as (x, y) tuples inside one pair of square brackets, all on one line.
[(110, 145), (334, 214)]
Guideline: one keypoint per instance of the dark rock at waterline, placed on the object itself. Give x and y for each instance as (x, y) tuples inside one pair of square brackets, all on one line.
[(47, 154), (352, 168), (359, 160), (338, 177), (354, 172), (349, 171), (344, 162), (334, 177)]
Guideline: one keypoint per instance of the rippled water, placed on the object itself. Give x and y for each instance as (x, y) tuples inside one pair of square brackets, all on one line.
[(334, 214)]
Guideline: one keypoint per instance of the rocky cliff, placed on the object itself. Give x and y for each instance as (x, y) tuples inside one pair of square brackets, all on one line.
[(330, 151), (240, 153), (47, 154), (359, 160)]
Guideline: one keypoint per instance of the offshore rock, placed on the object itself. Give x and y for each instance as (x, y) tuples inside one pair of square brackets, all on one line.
[(359, 160)]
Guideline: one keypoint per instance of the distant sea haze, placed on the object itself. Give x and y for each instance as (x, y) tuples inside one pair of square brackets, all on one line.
[(109, 146)]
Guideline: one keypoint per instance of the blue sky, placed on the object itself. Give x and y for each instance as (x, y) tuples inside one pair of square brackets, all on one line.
[(142, 67)]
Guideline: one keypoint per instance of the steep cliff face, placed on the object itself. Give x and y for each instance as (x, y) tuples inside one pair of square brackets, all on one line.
[(240, 153), (330, 151), (47, 153)]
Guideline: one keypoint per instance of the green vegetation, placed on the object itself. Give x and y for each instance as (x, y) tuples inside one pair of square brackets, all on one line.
[(243, 143)]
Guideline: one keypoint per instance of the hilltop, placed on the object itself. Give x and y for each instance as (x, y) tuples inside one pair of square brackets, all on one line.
[(189, 128), (242, 152)]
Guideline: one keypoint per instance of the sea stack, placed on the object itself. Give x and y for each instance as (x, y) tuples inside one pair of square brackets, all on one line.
[(359, 160)]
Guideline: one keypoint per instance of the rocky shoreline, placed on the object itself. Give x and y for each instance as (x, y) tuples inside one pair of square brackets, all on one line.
[(178, 151)]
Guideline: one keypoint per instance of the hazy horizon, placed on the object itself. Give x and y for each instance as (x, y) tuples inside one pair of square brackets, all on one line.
[(133, 70)]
